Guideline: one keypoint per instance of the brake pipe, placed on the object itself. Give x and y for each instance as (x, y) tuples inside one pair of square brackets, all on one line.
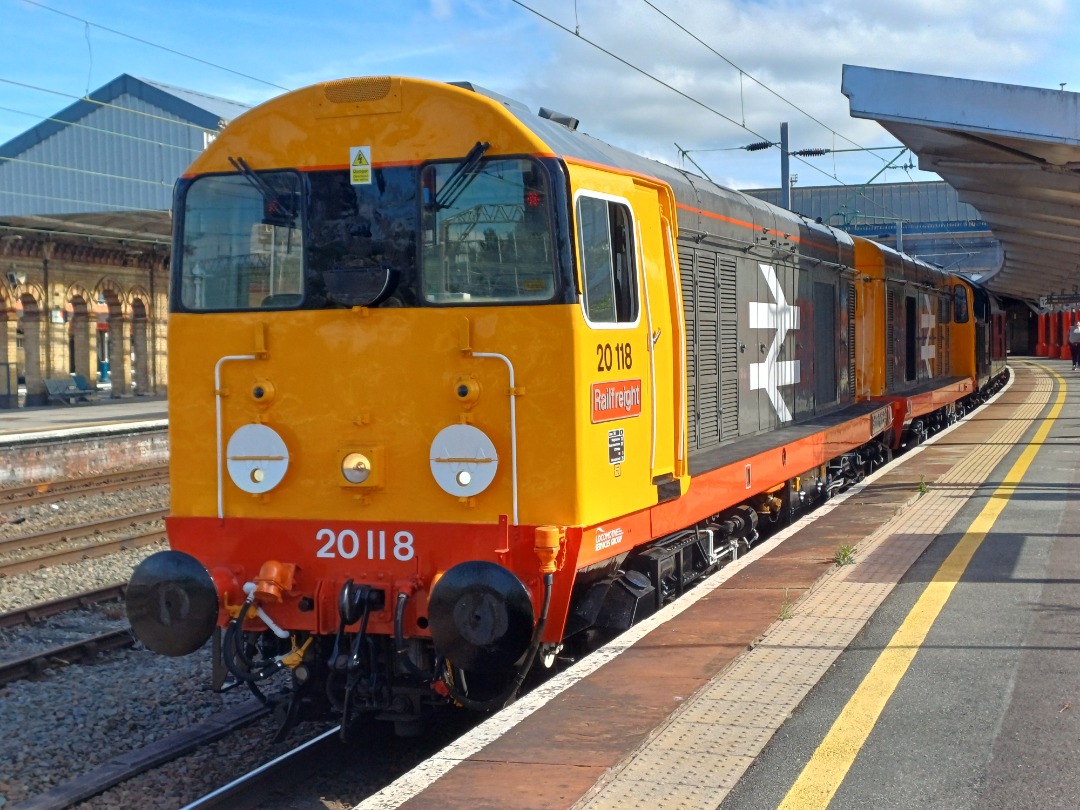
[(249, 589)]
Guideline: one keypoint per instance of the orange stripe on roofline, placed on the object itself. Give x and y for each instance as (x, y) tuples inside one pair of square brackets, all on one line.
[(614, 169), (590, 164), (578, 161), (389, 164), (722, 218)]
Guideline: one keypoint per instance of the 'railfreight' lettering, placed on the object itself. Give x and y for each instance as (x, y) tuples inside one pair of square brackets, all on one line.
[(616, 400)]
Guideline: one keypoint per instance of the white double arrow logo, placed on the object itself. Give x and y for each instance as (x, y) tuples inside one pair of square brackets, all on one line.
[(780, 316)]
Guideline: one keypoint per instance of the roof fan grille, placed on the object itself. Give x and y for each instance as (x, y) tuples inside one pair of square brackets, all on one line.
[(350, 91)]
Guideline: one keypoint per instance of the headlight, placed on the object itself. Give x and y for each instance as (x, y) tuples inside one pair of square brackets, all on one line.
[(356, 467)]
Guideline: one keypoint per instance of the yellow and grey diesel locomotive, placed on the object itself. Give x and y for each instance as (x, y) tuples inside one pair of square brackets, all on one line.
[(453, 385)]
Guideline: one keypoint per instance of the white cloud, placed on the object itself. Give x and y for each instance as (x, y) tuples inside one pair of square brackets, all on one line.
[(795, 48)]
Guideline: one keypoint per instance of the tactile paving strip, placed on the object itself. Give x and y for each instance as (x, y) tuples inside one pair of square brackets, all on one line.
[(672, 794), (698, 756)]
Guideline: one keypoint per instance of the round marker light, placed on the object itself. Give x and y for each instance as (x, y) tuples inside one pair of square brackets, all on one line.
[(257, 476), (464, 478), (356, 468)]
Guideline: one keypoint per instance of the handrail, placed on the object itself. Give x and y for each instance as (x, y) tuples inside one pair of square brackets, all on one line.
[(217, 409), (513, 424)]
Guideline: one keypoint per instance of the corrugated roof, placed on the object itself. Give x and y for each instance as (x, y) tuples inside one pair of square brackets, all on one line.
[(842, 206), (223, 108), (119, 149), (1013, 152)]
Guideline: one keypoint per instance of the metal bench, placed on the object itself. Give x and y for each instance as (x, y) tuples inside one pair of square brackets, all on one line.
[(70, 391), (64, 391), (83, 385)]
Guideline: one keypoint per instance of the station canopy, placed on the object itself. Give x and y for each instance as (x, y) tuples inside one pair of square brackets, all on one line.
[(1011, 152)]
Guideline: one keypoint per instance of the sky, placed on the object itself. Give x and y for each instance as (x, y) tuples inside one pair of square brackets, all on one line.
[(674, 80)]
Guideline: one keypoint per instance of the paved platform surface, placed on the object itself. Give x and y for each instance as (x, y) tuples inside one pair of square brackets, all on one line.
[(728, 698), (102, 411)]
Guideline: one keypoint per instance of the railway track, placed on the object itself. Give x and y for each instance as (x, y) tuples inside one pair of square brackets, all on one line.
[(86, 552), (33, 665), (97, 528), (35, 613), (94, 527), (250, 787), (132, 763), (53, 491)]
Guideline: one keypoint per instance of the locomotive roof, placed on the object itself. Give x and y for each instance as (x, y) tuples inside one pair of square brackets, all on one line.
[(692, 191), (908, 267)]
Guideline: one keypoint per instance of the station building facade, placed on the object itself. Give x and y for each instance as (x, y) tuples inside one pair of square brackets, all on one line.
[(926, 220)]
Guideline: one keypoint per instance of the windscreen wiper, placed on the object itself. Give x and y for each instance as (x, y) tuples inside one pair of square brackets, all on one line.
[(462, 176), (277, 211)]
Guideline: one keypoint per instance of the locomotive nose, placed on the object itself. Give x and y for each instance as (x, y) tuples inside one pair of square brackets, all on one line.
[(481, 616), (172, 603)]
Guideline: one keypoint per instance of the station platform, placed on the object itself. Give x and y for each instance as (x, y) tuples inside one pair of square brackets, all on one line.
[(940, 669), (60, 442), (101, 411)]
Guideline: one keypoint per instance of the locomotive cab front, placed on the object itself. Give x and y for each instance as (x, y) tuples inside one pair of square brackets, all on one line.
[(389, 392)]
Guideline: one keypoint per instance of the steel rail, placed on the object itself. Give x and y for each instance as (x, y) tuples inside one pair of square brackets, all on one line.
[(30, 666), (52, 491), (132, 763), (43, 610), (91, 551), (84, 530), (230, 794)]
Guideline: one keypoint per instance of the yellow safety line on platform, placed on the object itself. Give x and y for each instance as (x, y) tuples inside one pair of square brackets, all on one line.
[(828, 767)]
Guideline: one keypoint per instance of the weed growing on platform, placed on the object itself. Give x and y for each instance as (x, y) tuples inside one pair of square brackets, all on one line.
[(845, 555), (785, 608), (923, 486)]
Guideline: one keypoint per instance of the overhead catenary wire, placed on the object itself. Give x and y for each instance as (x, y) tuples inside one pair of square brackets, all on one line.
[(107, 133), (154, 45), (174, 121), (40, 165), (798, 154), (52, 198), (523, 5), (119, 108), (661, 82), (687, 96), (742, 73)]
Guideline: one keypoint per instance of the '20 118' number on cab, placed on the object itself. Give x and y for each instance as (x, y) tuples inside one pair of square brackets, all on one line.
[(347, 544)]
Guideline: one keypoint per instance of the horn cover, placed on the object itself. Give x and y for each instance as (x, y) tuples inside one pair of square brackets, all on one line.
[(172, 603), (481, 616)]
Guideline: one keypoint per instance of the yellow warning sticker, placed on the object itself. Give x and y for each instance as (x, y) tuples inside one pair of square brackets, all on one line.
[(360, 165)]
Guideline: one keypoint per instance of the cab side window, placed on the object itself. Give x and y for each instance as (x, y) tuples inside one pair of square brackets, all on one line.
[(609, 272), (960, 301)]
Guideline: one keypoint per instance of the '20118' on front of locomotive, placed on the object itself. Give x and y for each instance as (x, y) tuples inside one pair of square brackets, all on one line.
[(386, 401)]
